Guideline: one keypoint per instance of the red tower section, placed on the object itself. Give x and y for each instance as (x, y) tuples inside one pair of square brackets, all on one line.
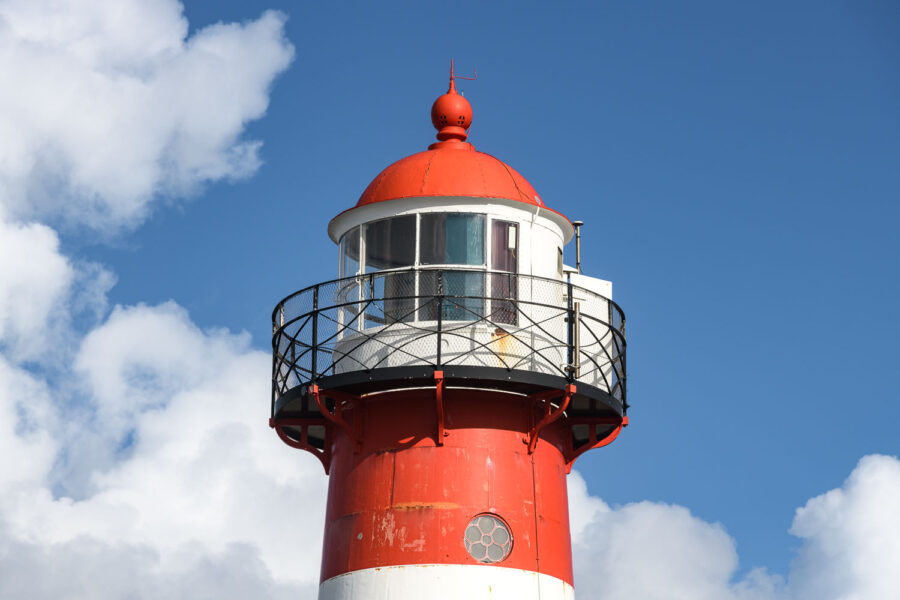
[(448, 380)]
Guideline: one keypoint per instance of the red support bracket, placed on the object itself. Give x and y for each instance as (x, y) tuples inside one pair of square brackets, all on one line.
[(439, 402), (278, 425), (336, 417), (595, 442), (550, 415)]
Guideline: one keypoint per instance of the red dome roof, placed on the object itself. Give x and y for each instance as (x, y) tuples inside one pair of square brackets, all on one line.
[(450, 168)]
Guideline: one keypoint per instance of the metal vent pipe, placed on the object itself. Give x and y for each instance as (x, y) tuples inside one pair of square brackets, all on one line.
[(578, 225)]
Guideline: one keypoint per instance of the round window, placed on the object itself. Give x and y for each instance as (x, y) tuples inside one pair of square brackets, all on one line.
[(488, 539)]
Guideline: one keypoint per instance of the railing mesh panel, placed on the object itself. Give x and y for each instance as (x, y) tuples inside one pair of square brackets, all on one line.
[(440, 317)]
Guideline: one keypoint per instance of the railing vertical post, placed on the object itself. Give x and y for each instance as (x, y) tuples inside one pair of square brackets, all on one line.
[(315, 334), (613, 340), (576, 340), (510, 307), (624, 382), (275, 353), (293, 367), (570, 329), (440, 314)]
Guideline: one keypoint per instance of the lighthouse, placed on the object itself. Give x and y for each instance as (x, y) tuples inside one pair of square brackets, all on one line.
[(448, 378)]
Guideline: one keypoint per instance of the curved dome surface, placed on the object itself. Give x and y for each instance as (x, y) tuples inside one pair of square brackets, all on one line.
[(449, 171)]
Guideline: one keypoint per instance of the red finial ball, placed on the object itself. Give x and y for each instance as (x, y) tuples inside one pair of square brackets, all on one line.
[(451, 115)]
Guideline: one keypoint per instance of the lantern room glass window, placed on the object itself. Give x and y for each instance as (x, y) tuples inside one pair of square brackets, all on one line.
[(455, 239), (463, 293), (504, 257), (350, 253), (390, 243), (348, 292), (504, 246), (451, 239), (393, 298)]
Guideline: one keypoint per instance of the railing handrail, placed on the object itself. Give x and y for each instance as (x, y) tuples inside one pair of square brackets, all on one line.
[(544, 323), (460, 268)]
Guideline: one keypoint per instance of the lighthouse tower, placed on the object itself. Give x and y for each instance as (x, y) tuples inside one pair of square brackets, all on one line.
[(448, 379)]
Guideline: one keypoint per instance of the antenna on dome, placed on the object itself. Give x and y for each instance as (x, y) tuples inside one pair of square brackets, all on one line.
[(454, 76)]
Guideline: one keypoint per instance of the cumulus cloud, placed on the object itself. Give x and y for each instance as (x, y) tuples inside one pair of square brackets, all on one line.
[(144, 451), (851, 537), (106, 106), (42, 292), (33, 292), (89, 569), (192, 488), (26, 445), (653, 551), (650, 550), (136, 454)]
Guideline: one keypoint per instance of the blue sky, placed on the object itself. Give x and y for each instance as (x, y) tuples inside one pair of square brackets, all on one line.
[(736, 167)]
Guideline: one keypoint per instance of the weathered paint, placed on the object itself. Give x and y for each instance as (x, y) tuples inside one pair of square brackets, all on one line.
[(445, 582), (403, 500)]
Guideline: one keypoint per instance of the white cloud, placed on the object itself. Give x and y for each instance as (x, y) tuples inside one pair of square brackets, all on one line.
[(648, 551), (26, 444), (89, 569), (651, 551), (583, 508), (204, 482), (142, 357), (42, 292), (108, 105), (851, 537), (137, 459), (203, 439), (34, 288)]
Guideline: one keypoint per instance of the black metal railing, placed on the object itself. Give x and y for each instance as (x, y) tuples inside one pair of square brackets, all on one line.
[(443, 317)]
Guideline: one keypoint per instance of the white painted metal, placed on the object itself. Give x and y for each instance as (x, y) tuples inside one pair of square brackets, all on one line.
[(594, 284), (445, 582), (401, 206), (471, 345)]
